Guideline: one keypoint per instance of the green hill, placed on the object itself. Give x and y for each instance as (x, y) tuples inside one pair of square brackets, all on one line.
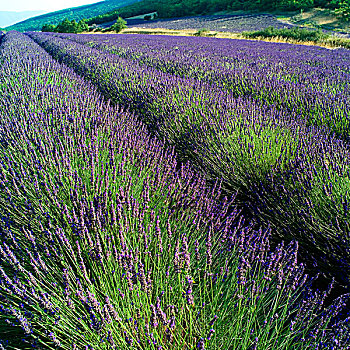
[(77, 13)]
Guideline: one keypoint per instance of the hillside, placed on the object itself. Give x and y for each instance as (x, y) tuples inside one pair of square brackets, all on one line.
[(317, 17), (77, 13), (182, 8)]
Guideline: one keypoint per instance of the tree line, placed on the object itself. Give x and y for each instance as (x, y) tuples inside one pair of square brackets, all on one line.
[(67, 26)]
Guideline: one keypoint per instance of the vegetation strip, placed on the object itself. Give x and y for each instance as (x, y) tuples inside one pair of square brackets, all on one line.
[(298, 35), (331, 42)]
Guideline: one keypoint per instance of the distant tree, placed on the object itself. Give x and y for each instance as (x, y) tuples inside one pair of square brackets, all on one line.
[(82, 26), (119, 25), (67, 26), (322, 3), (344, 10), (48, 28), (334, 3), (291, 5)]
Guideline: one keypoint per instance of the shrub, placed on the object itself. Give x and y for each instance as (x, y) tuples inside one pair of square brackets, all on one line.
[(67, 26), (119, 25), (344, 10), (202, 32), (293, 33), (82, 26), (48, 28)]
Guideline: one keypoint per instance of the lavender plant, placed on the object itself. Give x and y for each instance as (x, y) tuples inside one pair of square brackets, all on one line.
[(108, 243), (265, 152)]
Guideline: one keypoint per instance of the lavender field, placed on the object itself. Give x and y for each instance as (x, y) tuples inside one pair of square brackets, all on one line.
[(221, 23), (173, 193)]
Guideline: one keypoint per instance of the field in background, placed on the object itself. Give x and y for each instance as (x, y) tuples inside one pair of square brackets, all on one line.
[(332, 43), (222, 23)]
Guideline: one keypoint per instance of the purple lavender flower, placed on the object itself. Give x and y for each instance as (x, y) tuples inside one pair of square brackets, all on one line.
[(200, 344), (154, 318), (211, 332), (54, 339)]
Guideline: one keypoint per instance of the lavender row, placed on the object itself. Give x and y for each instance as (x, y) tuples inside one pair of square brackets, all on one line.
[(105, 245), (310, 81), (293, 177), (97, 175)]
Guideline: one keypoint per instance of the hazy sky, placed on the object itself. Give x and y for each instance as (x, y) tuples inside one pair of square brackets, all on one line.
[(41, 5)]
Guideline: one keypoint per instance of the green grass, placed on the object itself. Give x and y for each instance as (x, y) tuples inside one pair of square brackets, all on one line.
[(296, 33), (299, 35)]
